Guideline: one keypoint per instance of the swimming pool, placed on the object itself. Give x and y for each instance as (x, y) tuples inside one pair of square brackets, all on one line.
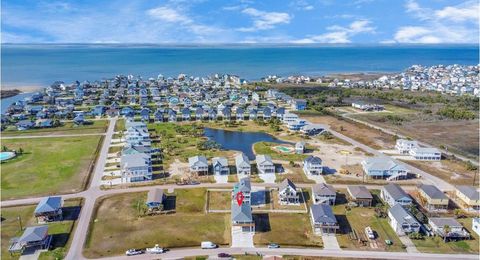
[(284, 149), (6, 155)]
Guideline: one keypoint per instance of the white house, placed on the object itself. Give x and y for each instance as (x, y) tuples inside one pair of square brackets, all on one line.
[(312, 165), (402, 221), (383, 167), (264, 164), (426, 154), (404, 146), (287, 193), (476, 225), (136, 167), (324, 193), (198, 164), (243, 164), (300, 147), (456, 230), (393, 194)]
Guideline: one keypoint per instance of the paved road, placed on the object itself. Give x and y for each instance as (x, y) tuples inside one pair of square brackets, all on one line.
[(182, 253), (49, 136)]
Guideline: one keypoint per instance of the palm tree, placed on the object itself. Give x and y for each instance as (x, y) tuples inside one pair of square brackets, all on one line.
[(446, 230)]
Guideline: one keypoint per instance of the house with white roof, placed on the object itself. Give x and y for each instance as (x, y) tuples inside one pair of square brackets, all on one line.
[(265, 164), (404, 146), (426, 154), (136, 167), (383, 168)]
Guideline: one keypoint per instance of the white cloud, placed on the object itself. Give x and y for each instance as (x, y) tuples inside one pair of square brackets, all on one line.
[(340, 34), (451, 24), (302, 5), (168, 14), (264, 20)]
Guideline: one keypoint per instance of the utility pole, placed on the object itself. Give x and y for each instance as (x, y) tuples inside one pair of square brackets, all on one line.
[(20, 222)]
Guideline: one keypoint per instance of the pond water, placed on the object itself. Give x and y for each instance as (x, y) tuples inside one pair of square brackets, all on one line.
[(6, 155), (240, 141)]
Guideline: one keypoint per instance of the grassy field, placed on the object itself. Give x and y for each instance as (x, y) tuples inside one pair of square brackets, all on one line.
[(98, 126), (357, 219), (118, 226), (61, 230), (286, 229), (455, 172), (266, 148), (48, 166), (219, 200), (120, 125), (436, 244), (361, 133), (180, 141)]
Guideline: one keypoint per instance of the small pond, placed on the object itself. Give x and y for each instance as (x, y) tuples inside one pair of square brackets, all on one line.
[(240, 141)]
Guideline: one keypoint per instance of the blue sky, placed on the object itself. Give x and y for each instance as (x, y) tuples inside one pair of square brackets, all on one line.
[(240, 21)]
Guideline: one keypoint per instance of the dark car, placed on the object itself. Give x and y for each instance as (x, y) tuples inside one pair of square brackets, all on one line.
[(273, 245), (224, 255)]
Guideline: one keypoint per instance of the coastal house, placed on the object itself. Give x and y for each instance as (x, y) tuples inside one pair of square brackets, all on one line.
[(24, 125), (323, 220), (324, 194), (244, 187), (300, 147), (448, 228), (239, 114), (296, 125), (155, 200), (468, 197), (136, 167), (432, 198), (220, 166), (242, 164), (242, 217), (198, 164), (383, 168), (145, 114), (393, 194), (476, 225), (402, 221), (299, 104), (288, 193), (127, 112), (312, 129), (426, 154), (404, 146), (312, 165), (367, 106), (32, 238), (360, 195), (186, 113), (265, 164), (49, 209)]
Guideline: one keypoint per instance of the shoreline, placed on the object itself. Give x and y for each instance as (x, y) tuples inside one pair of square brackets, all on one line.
[(22, 88)]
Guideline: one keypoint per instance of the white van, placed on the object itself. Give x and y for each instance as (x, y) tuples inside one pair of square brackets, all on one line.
[(369, 233), (208, 245)]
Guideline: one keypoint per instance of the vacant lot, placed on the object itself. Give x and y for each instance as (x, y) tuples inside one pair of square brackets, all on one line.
[(118, 225), (286, 229), (455, 172), (48, 166), (356, 220), (460, 136), (219, 200), (436, 244), (364, 134), (97, 126), (61, 230)]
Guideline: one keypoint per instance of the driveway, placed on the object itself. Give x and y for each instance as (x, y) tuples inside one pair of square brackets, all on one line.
[(268, 177), (221, 178), (241, 239), (316, 178), (330, 242), (409, 244)]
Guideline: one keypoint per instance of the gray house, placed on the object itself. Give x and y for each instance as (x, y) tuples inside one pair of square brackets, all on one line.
[(360, 195), (242, 217), (312, 165), (433, 199), (393, 194), (243, 164), (402, 221), (32, 237), (49, 209), (323, 220), (198, 164), (324, 194), (220, 166), (383, 168), (288, 193), (456, 230), (136, 167), (265, 164), (245, 188), (155, 199)]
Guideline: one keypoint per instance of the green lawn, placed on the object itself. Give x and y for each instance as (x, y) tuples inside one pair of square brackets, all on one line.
[(118, 227), (48, 166), (286, 229), (266, 148), (436, 244), (61, 230), (97, 126), (120, 125), (358, 219), (219, 200)]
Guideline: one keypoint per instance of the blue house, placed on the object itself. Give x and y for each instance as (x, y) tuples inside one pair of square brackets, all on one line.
[(127, 112), (98, 111), (145, 114), (24, 125), (45, 123), (383, 167), (49, 209), (299, 104), (79, 119), (155, 199)]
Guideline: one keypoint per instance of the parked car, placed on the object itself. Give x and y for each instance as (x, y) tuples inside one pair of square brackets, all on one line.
[(369, 233), (133, 251), (155, 250), (273, 245), (208, 245), (224, 255)]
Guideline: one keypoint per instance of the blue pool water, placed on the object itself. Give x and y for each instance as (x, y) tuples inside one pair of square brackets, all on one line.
[(6, 155)]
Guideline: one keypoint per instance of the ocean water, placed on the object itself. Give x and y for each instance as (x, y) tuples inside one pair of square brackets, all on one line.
[(40, 65)]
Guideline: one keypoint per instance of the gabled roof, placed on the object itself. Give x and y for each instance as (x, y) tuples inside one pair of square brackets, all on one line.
[(395, 191), (323, 213), (263, 159), (241, 213), (359, 192), (242, 159), (401, 215), (469, 191), (221, 160), (441, 222), (155, 195), (323, 189), (313, 160), (382, 164), (432, 191), (32, 234), (48, 204), (197, 159), (287, 183), (243, 185)]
